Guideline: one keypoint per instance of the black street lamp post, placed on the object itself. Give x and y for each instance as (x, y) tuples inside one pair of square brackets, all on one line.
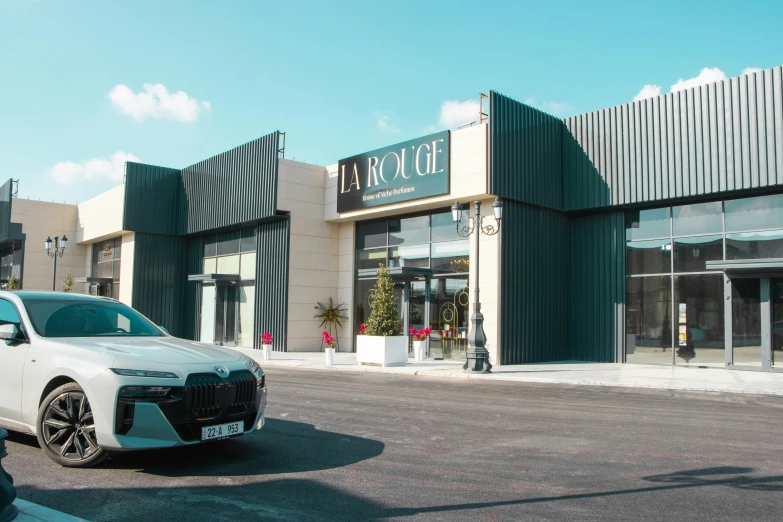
[(477, 355), (7, 490), (59, 250)]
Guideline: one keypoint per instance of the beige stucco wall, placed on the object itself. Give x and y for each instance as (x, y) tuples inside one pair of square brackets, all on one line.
[(40, 220), (101, 217)]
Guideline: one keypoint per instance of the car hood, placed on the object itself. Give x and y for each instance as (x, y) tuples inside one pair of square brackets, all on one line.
[(160, 350)]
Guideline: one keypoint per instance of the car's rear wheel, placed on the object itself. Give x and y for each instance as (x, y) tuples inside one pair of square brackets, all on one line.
[(66, 428)]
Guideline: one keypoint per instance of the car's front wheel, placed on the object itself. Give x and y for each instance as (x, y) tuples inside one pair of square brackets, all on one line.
[(66, 428)]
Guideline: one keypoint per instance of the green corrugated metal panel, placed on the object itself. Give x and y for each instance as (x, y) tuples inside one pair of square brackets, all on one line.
[(159, 279), (152, 197), (525, 153), (232, 188), (272, 281), (534, 299), (194, 264), (597, 286), (6, 191), (708, 139)]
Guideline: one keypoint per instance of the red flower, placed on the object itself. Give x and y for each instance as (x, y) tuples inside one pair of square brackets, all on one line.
[(362, 329), (266, 338)]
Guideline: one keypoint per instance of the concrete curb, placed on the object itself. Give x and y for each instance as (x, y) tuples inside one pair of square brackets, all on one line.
[(665, 383), (29, 512)]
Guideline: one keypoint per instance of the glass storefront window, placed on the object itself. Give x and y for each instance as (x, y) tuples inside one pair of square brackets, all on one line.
[(700, 334), (746, 321), (755, 245), (702, 218), (247, 266), (247, 241), (210, 265), (443, 228), (370, 234), (452, 257), (692, 253), (409, 230), (416, 256), (370, 258), (754, 213), (228, 264), (247, 295), (647, 224), (648, 257), (648, 320), (449, 317), (228, 243)]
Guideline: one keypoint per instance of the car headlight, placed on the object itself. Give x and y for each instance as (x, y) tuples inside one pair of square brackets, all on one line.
[(144, 373), (254, 368)]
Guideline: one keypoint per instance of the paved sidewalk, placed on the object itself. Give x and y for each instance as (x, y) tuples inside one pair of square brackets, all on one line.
[(29, 512), (578, 373)]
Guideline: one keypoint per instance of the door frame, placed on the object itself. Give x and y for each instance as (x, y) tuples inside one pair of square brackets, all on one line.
[(766, 320), (221, 287)]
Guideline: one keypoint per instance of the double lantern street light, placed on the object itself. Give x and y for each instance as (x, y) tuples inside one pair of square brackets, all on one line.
[(59, 250), (477, 356)]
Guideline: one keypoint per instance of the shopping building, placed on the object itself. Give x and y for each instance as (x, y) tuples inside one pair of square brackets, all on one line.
[(650, 232)]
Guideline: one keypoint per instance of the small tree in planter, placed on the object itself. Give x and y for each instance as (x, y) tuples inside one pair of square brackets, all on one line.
[(68, 282), (14, 283), (383, 343)]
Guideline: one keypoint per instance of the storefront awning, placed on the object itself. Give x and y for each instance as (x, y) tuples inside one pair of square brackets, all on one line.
[(211, 278), (399, 273), (747, 265), (93, 280)]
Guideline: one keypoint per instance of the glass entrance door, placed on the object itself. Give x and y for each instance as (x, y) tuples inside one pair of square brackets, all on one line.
[(226, 315), (756, 322), (776, 305), (417, 309)]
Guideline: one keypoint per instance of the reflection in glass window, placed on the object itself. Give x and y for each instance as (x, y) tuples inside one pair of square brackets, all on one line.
[(702, 218), (247, 295), (409, 230), (746, 321), (370, 258), (451, 257), (417, 256), (648, 320), (692, 253), (754, 213), (370, 234), (443, 227), (647, 224), (755, 245), (700, 334), (648, 257)]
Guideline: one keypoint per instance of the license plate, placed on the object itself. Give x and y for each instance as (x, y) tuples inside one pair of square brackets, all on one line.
[(222, 431)]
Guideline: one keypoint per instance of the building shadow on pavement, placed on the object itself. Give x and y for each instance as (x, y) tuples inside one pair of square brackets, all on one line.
[(282, 446)]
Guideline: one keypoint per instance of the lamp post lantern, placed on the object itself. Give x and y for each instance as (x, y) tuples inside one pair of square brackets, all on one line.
[(477, 356), (59, 250)]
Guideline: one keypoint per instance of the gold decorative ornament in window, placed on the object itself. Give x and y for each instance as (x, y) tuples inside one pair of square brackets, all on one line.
[(460, 265)]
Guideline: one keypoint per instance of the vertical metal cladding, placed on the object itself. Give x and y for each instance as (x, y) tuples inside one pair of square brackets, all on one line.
[(525, 153), (230, 189), (597, 286), (534, 300), (152, 196), (194, 259), (6, 189), (159, 280), (705, 140), (272, 281)]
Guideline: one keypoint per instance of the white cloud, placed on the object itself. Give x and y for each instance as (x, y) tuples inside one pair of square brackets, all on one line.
[(648, 91), (385, 125), (552, 107), (157, 102), (112, 169), (750, 70), (706, 75), (454, 113)]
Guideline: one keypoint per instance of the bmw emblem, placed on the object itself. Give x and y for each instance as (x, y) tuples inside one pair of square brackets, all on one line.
[(220, 369)]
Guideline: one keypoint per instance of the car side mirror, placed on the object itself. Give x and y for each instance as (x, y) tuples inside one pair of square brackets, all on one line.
[(9, 332)]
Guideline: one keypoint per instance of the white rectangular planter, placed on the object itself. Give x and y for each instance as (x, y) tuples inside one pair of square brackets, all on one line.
[(380, 350), (420, 350), (266, 352)]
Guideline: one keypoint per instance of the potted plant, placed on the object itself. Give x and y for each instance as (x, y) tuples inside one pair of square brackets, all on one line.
[(328, 340), (266, 346), (330, 316), (382, 344), (420, 342)]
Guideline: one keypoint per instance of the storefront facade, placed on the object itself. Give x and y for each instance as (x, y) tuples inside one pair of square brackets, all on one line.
[(649, 233)]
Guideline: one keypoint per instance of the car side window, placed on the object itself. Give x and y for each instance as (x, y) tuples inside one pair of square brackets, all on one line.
[(8, 313)]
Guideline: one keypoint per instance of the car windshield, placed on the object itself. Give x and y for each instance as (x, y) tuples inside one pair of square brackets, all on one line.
[(87, 318)]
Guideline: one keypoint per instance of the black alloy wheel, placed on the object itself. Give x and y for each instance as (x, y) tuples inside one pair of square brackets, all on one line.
[(66, 428)]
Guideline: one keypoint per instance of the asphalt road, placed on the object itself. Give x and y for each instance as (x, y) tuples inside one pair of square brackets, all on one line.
[(355, 446)]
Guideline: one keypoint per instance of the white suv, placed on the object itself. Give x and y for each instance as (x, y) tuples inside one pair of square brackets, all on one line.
[(90, 375)]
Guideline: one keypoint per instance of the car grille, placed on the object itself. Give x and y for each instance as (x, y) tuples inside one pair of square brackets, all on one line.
[(207, 396)]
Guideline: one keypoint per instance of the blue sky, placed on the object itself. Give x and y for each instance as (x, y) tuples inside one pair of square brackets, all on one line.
[(339, 77)]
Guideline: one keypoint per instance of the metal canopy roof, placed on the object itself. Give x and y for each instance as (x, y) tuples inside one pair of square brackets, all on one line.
[(398, 273), (747, 265), (205, 278), (93, 280)]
